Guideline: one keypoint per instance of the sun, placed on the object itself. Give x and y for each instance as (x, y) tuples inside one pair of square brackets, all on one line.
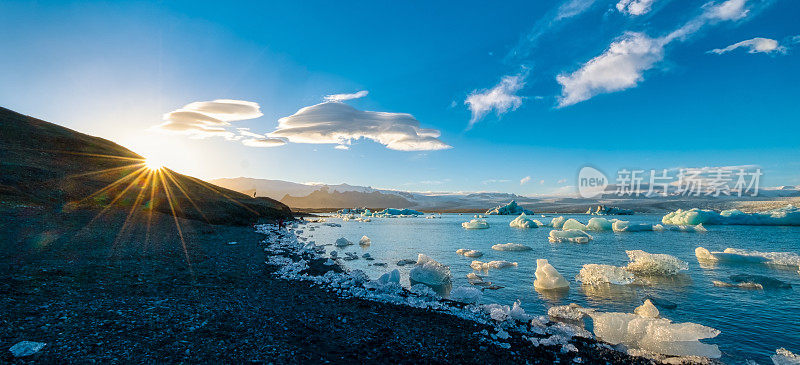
[(153, 164)]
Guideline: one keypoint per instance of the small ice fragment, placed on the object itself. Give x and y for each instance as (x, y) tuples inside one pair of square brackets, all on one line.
[(429, 271), (523, 222), (570, 235), (485, 266), (466, 294), (785, 357), (557, 222), (475, 224), (232, 243), (469, 253), (654, 264), (364, 241), (647, 310), (599, 224), (511, 247), (26, 348), (547, 277), (573, 224), (594, 274)]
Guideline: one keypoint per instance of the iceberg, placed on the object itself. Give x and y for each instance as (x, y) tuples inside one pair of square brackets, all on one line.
[(509, 209), (688, 228), (731, 256), (469, 253), (789, 259), (600, 224), (626, 226), (429, 271), (466, 294), (547, 277), (647, 310), (396, 212), (604, 210), (573, 224), (485, 266), (342, 242), (524, 222), (557, 222), (785, 216), (475, 224), (654, 263), (594, 274), (510, 247), (364, 241), (570, 235), (784, 357)]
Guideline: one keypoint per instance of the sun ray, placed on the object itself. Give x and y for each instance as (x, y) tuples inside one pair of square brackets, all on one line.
[(160, 175), (208, 186), (115, 183), (118, 197), (169, 176)]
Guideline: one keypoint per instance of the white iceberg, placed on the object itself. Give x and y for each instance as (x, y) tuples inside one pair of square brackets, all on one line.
[(485, 266), (594, 274), (785, 216), (547, 277), (475, 224), (573, 224), (557, 222), (511, 247), (570, 235), (466, 294), (364, 241), (429, 271), (647, 310), (789, 259), (600, 224), (397, 212), (654, 263), (342, 242), (469, 253), (727, 256), (509, 209), (626, 226), (785, 357), (524, 222)]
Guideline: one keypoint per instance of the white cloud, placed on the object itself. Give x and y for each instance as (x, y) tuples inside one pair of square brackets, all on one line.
[(339, 123), (495, 181), (525, 180), (501, 98), (263, 142), (634, 7), (342, 147), (620, 67), (755, 45), (727, 10), (572, 8), (343, 97), (562, 181), (204, 119)]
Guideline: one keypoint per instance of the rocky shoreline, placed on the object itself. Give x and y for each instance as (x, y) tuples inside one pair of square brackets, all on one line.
[(107, 291)]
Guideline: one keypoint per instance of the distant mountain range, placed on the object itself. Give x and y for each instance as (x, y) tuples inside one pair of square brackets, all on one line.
[(331, 197)]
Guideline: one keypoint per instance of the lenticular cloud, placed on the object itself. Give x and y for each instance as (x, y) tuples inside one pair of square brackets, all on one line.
[(339, 123), (202, 119)]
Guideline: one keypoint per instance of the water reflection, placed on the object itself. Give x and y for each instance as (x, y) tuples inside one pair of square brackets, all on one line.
[(552, 295), (609, 292)]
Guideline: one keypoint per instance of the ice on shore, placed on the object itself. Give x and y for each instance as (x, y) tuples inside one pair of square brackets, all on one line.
[(501, 313), (485, 266), (785, 216), (785, 357), (475, 224), (570, 235), (466, 294), (509, 209), (595, 274), (557, 222), (547, 277), (429, 271), (654, 263), (469, 253), (656, 335), (364, 241), (626, 226), (342, 242), (524, 222), (647, 310), (600, 224), (511, 247), (573, 224)]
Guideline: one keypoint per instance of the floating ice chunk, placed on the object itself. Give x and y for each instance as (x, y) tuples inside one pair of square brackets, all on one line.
[(600, 224), (604, 210), (573, 224), (626, 226), (785, 357), (547, 277), (26, 348), (398, 212), (594, 274), (557, 222), (511, 247), (785, 216), (774, 258), (704, 255), (657, 335), (748, 281), (509, 209), (737, 285), (364, 241), (524, 222), (654, 264), (469, 253), (428, 271), (342, 242), (475, 224), (647, 310), (466, 294), (485, 266), (570, 235)]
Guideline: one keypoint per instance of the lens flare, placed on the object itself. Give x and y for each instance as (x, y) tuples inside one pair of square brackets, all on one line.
[(153, 164)]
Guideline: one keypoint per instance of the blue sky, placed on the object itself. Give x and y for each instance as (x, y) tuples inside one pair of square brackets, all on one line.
[(514, 89)]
